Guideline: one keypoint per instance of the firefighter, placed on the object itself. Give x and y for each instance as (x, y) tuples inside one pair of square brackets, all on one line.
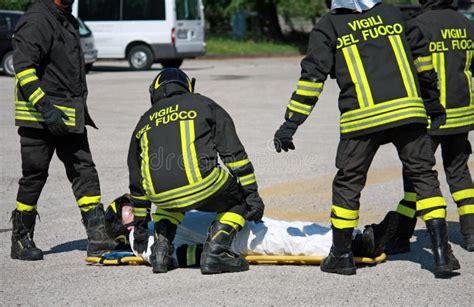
[(451, 36), (364, 46), (51, 112), (173, 163)]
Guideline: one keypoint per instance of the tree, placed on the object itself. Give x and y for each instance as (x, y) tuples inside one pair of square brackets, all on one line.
[(18, 5)]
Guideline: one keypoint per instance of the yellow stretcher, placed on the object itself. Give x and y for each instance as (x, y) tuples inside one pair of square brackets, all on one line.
[(127, 258)]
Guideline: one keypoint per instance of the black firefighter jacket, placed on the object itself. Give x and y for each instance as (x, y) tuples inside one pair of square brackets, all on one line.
[(174, 152), (369, 55), (49, 66), (451, 46)]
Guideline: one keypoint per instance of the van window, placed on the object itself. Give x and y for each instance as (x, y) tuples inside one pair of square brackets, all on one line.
[(5, 23), (188, 10), (144, 10), (99, 9)]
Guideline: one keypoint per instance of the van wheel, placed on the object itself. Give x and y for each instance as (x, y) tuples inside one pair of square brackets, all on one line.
[(174, 63), (89, 67), (7, 64), (140, 58)]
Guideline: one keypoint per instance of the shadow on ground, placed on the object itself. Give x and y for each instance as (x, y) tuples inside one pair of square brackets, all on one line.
[(76, 245), (421, 248)]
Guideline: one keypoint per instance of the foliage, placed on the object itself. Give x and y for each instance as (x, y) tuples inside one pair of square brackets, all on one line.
[(225, 45), (17, 5)]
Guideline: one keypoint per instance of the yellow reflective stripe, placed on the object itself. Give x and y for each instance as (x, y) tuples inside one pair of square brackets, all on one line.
[(140, 212), (86, 200), (382, 107), (147, 182), (403, 65), (237, 164), (468, 73), (310, 89), (427, 203), (300, 107), (458, 112), (435, 214), (463, 194), (406, 211), (358, 76), (28, 79), (342, 224), (424, 64), (25, 72), (458, 122), (174, 217), (316, 85), (345, 213), (409, 196), (32, 110), (247, 180), (24, 207), (383, 119), (139, 197), (189, 189), (86, 208), (192, 199), (191, 255), (36, 96), (439, 65), (188, 148), (231, 218), (466, 209)]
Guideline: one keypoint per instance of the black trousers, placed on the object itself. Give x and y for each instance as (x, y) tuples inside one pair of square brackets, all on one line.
[(354, 157), (455, 151), (37, 149)]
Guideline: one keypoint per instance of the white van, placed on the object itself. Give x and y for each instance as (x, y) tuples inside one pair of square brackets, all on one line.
[(145, 31)]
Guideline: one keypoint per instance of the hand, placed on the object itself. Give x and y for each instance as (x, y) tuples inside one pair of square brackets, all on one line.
[(140, 236), (284, 137), (437, 120), (256, 207), (53, 118)]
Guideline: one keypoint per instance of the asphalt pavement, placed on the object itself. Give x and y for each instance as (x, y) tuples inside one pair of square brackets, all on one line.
[(295, 186)]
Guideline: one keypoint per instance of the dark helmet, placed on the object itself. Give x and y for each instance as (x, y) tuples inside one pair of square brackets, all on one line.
[(170, 76), (114, 222)]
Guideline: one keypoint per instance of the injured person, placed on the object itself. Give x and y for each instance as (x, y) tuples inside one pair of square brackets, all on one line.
[(270, 238)]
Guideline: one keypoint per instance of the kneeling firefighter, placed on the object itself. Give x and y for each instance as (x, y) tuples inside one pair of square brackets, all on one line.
[(173, 163)]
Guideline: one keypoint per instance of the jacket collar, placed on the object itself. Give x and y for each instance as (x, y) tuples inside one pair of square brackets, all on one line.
[(49, 4), (427, 5)]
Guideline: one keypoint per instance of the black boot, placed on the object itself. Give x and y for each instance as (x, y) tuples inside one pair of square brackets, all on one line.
[(445, 262), (98, 242), (400, 243), (23, 246), (340, 259), (162, 249), (216, 256), (467, 230)]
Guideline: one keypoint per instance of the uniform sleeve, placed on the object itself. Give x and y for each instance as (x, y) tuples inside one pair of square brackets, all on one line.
[(315, 68), (231, 151), (141, 205), (419, 42), (31, 44)]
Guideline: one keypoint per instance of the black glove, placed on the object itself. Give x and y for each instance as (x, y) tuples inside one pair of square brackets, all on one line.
[(53, 118), (284, 136), (437, 120), (255, 208), (140, 236)]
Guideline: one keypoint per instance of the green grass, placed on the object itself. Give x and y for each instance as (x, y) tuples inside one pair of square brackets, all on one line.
[(221, 45)]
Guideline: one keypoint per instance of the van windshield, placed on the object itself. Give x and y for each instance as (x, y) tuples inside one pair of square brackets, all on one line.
[(83, 29), (188, 10)]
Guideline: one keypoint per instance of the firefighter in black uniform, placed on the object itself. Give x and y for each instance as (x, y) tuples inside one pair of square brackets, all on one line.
[(173, 163), (51, 112), (364, 46), (451, 45)]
